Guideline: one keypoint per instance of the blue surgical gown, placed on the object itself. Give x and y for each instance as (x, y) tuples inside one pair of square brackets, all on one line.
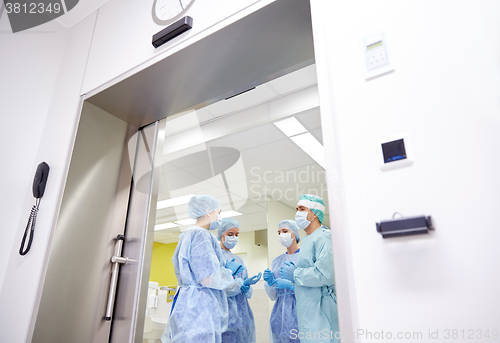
[(283, 322), (241, 324), (200, 313), (315, 289)]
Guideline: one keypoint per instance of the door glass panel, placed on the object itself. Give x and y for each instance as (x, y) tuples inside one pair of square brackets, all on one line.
[(144, 148), (256, 153)]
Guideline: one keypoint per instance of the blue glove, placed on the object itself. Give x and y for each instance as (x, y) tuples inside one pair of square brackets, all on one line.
[(284, 284), (269, 277), (286, 271), (234, 267), (244, 288), (252, 280)]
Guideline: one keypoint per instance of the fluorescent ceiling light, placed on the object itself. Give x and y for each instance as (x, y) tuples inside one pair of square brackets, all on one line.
[(188, 221), (165, 226), (311, 146), (227, 214), (290, 126), (173, 202)]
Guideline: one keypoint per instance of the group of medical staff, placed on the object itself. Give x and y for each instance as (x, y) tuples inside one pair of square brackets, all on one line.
[(211, 304)]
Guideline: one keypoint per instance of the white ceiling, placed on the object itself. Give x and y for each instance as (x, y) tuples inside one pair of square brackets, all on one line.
[(263, 149), (264, 93)]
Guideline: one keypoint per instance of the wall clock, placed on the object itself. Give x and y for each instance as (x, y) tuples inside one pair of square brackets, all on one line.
[(167, 11)]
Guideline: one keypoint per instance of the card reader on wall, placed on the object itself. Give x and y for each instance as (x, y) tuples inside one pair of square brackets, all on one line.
[(172, 31), (405, 226), (396, 152)]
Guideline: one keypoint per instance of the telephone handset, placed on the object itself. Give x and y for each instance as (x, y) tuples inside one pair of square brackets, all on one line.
[(39, 183), (40, 180)]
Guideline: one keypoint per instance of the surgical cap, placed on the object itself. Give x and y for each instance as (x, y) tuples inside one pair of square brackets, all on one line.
[(200, 205), (314, 203), (227, 224), (291, 225)]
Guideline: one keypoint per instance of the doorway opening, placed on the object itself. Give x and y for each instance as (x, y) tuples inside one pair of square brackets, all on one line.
[(209, 119), (256, 153)]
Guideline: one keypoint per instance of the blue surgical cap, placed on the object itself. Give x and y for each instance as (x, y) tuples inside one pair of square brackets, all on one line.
[(200, 205), (227, 224), (291, 225)]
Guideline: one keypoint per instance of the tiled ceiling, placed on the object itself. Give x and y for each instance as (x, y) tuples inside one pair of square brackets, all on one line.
[(263, 148), (287, 84)]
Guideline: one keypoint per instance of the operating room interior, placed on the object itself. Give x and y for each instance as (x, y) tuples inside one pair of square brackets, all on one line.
[(267, 145)]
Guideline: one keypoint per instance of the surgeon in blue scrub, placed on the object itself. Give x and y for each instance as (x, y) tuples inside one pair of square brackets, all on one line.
[(200, 311), (283, 322), (312, 277), (241, 324)]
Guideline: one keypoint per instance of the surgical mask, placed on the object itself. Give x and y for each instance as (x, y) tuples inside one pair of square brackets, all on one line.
[(301, 219), (214, 224), (231, 241), (286, 239)]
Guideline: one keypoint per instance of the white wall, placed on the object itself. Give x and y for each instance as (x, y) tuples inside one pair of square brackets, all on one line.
[(54, 140), (125, 28), (445, 94), (29, 63)]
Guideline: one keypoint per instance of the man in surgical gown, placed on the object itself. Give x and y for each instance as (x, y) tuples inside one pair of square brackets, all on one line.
[(312, 277), (200, 313)]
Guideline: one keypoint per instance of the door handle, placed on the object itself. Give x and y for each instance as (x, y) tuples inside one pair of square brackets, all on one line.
[(117, 259)]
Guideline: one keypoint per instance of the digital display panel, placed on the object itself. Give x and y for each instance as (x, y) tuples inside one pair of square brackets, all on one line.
[(374, 45), (394, 151)]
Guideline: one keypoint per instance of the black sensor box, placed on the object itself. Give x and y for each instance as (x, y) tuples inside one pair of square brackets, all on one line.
[(405, 226), (179, 27)]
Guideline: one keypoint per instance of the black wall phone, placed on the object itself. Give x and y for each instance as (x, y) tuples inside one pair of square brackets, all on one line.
[(39, 183)]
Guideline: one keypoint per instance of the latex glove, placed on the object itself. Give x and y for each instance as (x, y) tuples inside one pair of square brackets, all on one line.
[(252, 280), (269, 277), (284, 284), (234, 267), (244, 288), (286, 271)]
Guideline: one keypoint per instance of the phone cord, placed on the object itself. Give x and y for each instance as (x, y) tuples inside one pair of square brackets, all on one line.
[(30, 229)]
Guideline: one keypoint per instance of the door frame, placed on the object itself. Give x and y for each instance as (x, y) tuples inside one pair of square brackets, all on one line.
[(343, 265)]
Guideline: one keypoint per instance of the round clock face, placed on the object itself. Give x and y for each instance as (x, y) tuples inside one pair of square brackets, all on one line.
[(166, 10)]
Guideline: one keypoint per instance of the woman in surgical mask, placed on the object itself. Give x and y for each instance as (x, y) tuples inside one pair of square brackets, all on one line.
[(283, 322), (200, 308), (241, 324)]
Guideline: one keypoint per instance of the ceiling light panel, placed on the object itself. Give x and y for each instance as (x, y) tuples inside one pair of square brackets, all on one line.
[(290, 126), (165, 226), (189, 221), (228, 214), (174, 201), (311, 146)]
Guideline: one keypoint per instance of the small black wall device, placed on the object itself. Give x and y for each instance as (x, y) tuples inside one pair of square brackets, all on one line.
[(40, 180), (405, 226), (39, 183), (394, 151), (172, 31)]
